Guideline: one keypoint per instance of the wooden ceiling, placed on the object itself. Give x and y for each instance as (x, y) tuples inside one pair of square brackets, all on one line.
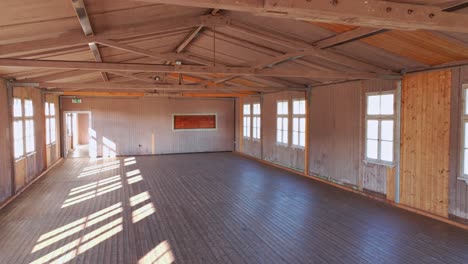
[(149, 46)]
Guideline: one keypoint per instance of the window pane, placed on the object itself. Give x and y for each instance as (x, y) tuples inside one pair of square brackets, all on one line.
[(52, 109), (386, 151), (302, 125), (465, 162), (371, 151), (386, 130), (285, 137), (247, 109), (302, 139), (295, 124), (53, 127), (466, 134), (17, 109), (295, 138), (279, 108), (279, 123), (18, 137), (278, 136), (372, 129), (285, 124), (386, 104), (46, 108), (30, 146), (256, 109), (28, 108), (48, 131), (373, 104)]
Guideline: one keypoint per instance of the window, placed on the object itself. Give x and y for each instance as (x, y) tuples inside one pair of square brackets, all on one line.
[(256, 121), (282, 122), (380, 127), (465, 136), (23, 127), (299, 123), (246, 120), (50, 123)]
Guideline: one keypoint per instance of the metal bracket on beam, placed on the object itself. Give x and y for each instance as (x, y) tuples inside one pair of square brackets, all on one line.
[(218, 21)]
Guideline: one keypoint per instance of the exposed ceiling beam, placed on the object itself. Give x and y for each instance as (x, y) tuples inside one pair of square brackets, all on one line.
[(59, 76), (192, 35), (163, 56), (76, 38), (370, 13), (348, 36), (82, 14), (133, 67), (152, 87), (136, 77), (296, 44)]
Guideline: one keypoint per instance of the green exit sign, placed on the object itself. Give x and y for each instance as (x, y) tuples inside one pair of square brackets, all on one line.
[(76, 100)]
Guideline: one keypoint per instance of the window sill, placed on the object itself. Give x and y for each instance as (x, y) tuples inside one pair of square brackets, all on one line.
[(463, 179), (379, 162), (298, 147), (284, 145)]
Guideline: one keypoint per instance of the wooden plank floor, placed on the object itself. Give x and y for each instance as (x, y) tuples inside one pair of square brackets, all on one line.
[(210, 208)]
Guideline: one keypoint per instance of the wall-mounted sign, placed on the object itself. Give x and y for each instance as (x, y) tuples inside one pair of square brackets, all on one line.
[(76, 100)]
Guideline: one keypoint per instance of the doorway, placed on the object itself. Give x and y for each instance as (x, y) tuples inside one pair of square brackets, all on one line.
[(77, 127)]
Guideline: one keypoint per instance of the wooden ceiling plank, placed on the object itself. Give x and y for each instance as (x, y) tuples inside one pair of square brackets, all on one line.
[(133, 67), (348, 36), (371, 13), (132, 30), (291, 43)]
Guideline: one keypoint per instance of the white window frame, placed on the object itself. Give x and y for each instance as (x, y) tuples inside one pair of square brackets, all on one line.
[(247, 120), (51, 127), (298, 117), (464, 143), (379, 119), (283, 128), (256, 121), (26, 135)]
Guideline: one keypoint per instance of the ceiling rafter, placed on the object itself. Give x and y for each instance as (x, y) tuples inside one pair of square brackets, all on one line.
[(134, 67), (151, 87), (82, 14), (75, 38), (371, 13)]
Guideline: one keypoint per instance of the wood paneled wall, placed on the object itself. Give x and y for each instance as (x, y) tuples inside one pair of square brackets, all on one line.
[(288, 156), (143, 126), (5, 145), (335, 133), (458, 189), (425, 127), (27, 168)]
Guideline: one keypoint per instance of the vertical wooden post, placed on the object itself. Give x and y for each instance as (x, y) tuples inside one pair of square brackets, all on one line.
[(307, 132), (398, 141), (11, 135), (241, 125), (262, 114)]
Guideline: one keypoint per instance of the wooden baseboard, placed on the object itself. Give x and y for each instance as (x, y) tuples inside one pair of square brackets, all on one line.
[(9, 200), (369, 195)]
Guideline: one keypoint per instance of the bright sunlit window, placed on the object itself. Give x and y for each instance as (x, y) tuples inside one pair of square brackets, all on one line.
[(256, 121), (246, 120), (299, 123), (51, 137), (282, 122), (465, 136), (23, 127), (380, 115)]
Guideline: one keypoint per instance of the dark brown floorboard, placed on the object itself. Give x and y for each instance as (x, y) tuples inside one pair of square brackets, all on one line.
[(210, 208)]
